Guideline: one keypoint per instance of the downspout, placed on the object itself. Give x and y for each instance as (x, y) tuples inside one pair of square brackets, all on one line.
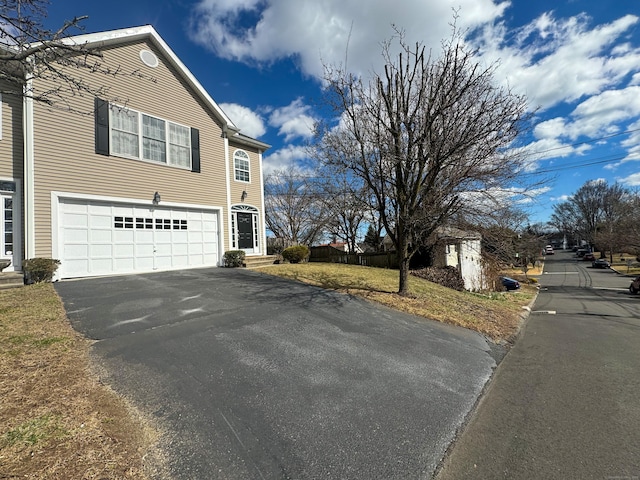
[(29, 169), (263, 216), (225, 131)]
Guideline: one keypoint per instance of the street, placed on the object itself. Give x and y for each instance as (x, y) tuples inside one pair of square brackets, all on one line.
[(564, 403)]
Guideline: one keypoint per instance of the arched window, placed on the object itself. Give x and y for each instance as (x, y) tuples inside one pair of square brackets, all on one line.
[(241, 166)]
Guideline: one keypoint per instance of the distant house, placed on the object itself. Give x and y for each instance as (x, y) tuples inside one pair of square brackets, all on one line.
[(456, 248), (162, 180), (343, 247)]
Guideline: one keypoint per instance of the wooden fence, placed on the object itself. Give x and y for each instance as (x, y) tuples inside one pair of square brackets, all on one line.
[(333, 255)]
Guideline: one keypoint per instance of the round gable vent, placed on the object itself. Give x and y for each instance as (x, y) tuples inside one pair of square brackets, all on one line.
[(149, 58)]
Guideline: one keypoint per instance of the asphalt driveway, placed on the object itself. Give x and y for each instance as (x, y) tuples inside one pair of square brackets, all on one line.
[(253, 376)]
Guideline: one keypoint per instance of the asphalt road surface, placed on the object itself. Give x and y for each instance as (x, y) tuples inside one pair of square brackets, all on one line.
[(255, 377), (565, 402)]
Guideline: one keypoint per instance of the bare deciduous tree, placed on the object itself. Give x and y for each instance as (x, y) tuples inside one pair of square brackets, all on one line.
[(293, 208), (422, 135), (29, 51), (566, 219), (344, 199), (600, 213)]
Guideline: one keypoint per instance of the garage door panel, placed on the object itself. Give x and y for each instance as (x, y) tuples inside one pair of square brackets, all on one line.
[(76, 206), (74, 251), (76, 219), (101, 221), (101, 264), (76, 268), (123, 251), (210, 249), (101, 251), (122, 265), (123, 236), (100, 238), (76, 235)]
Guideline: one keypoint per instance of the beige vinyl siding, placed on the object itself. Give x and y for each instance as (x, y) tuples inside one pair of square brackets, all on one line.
[(11, 146), (11, 150), (254, 187), (65, 158)]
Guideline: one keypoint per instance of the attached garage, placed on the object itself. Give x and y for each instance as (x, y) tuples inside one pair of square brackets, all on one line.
[(96, 237)]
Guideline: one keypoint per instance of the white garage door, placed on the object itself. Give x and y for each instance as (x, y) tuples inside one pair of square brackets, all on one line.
[(99, 238)]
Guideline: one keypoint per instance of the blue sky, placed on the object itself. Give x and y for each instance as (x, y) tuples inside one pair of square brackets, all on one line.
[(577, 61)]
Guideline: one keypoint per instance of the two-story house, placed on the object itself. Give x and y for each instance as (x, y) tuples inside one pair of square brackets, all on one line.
[(155, 177)]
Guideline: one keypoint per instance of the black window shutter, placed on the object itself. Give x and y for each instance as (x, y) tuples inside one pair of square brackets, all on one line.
[(195, 150), (102, 126)]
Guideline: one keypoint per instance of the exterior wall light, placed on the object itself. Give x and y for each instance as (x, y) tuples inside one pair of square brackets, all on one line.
[(243, 196), (156, 198)]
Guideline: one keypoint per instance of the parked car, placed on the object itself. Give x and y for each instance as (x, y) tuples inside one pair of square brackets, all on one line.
[(510, 283), (601, 263), (548, 250), (581, 252), (590, 257), (635, 286)]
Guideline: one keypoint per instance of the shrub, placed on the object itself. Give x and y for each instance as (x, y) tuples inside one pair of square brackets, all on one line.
[(295, 254), (37, 270), (446, 276), (234, 258)]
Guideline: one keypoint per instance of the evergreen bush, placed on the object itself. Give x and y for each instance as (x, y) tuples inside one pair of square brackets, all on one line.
[(295, 254), (234, 258), (37, 270)]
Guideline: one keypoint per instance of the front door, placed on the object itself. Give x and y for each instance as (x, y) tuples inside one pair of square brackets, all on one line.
[(245, 230)]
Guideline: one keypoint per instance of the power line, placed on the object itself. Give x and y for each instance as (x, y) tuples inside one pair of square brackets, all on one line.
[(585, 142)]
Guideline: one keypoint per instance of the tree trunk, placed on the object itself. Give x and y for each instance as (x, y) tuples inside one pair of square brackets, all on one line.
[(403, 264)]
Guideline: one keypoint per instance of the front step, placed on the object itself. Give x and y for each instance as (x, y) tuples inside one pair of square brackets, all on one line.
[(262, 261), (11, 280)]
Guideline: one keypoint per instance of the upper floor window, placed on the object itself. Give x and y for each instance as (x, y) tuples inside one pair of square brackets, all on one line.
[(241, 166), (138, 135)]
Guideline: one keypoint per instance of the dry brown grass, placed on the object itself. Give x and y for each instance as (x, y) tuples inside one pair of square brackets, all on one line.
[(497, 315), (56, 420)]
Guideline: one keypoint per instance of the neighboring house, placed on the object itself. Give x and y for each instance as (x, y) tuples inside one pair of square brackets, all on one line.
[(459, 249), (161, 179), (342, 246)]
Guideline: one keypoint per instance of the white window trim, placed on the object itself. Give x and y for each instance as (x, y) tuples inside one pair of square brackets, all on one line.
[(248, 170), (141, 139)]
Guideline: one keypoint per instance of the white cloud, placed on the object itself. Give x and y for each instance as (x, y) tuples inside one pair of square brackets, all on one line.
[(631, 181), (284, 159), (599, 112), (561, 60), (249, 122), (293, 121), (558, 63), (328, 31)]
